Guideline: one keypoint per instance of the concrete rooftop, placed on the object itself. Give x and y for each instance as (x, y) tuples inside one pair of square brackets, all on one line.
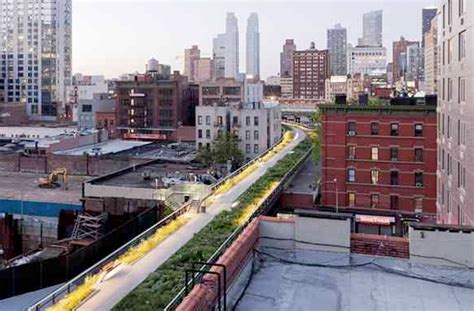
[(283, 286)]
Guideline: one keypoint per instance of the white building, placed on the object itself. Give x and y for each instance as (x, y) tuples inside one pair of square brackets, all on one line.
[(225, 50), (35, 54), (372, 29), (366, 60), (431, 59), (414, 62), (253, 91), (286, 84), (258, 126), (338, 85), (253, 47), (455, 199), (87, 109)]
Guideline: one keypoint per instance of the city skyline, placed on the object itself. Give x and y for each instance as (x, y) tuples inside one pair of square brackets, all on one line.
[(118, 41)]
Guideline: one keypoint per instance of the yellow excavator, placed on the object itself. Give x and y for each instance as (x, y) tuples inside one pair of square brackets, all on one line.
[(52, 180)]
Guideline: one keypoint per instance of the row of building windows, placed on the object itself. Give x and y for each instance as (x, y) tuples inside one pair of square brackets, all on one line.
[(394, 177), (447, 89), (394, 153), (394, 129), (375, 201), (235, 120), (445, 128), (448, 164), (236, 133)]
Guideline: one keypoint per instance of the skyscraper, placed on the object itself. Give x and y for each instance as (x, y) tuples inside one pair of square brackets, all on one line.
[(427, 16), (190, 56), (414, 61), (431, 59), (286, 58), (337, 46), (226, 50), (400, 58), (455, 199), (253, 46), (372, 29), (35, 53)]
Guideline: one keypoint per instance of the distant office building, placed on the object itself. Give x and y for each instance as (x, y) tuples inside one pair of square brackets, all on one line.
[(310, 71), (380, 161), (225, 50), (273, 80), (253, 47), (455, 202), (338, 85), (153, 108), (88, 108), (253, 91), (203, 70), (83, 88), (400, 58), (221, 92), (337, 46), (190, 56), (35, 54), (427, 15), (371, 29), (286, 58), (414, 64), (366, 60), (257, 125), (431, 59), (390, 73), (286, 87)]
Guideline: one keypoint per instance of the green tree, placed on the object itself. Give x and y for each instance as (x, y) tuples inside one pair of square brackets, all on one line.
[(316, 136), (225, 147)]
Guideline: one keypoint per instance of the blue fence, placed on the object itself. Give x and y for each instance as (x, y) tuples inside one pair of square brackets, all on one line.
[(34, 208)]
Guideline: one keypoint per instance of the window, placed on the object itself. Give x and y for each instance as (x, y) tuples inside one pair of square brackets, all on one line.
[(448, 127), (208, 120), (351, 175), (351, 198), (219, 120), (255, 121), (374, 176), (255, 148), (247, 148), (461, 90), (374, 128), (208, 134), (462, 45), (419, 179), (448, 201), (351, 128), (459, 132), (461, 7), (199, 120), (460, 216), (450, 50), (374, 153), (394, 129), (255, 135), (450, 89), (394, 177), (247, 134), (450, 11), (199, 133), (444, 15), (418, 155), (351, 151), (418, 202), (418, 130), (374, 200), (394, 202), (393, 153), (247, 120), (88, 108), (235, 120)]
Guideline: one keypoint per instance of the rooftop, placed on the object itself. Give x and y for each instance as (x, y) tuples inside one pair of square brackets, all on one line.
[(106, 147), (303, 280)]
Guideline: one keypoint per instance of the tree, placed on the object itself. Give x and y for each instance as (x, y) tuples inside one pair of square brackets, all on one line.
[(316, 135), (225, 147)]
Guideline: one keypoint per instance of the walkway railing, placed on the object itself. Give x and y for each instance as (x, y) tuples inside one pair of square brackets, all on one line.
[(262, 209)]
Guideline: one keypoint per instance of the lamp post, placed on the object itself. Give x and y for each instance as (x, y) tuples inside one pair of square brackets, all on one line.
[(337, 196)]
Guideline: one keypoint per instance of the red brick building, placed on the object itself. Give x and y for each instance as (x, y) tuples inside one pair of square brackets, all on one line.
[(106, 120), (380, 160), (310, 71), (155, 108)]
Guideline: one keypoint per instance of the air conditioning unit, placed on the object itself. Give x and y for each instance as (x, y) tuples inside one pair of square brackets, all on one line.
[(352, 133), (418, 210), (351, 157), (419, 185)]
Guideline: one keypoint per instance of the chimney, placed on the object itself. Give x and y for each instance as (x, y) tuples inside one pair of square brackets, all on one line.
[(312, 46)]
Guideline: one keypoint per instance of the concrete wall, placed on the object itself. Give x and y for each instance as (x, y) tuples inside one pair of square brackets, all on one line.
[(323, 234), (277, 228), (442, 246)]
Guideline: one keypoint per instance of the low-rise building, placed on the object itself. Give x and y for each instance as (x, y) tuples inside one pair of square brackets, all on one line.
[(221, 91), (257, 125), (88, 108), (286, 87), (337, 85), (380, 159)]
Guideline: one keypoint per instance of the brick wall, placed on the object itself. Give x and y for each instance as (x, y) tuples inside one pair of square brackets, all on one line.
[(379, 245), (204, 296), (296, 200)]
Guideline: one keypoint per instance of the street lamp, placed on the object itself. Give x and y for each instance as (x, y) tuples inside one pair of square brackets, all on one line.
[(337, 196)]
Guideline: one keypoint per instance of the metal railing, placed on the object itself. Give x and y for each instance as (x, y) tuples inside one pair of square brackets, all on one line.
[(262, 209), (65, 289), (52, 298)]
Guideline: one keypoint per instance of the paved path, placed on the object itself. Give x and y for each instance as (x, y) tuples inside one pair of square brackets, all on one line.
[(119, 283)]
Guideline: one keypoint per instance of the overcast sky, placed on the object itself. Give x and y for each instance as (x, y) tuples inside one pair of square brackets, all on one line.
[(112, 37)]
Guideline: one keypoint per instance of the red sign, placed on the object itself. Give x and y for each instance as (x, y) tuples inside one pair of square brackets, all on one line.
[(376, 220), (144, 136)]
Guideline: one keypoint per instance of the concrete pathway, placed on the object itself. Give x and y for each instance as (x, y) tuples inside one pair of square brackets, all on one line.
[(122, 281)]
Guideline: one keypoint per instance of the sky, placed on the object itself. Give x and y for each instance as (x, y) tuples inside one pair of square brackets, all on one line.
[(112, 37)]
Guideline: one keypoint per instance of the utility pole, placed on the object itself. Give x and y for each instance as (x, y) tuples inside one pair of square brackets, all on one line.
[(337, 196)]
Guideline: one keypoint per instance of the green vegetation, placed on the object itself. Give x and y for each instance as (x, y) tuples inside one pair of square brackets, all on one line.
[(224, 147), (315, 136), (162, 285)]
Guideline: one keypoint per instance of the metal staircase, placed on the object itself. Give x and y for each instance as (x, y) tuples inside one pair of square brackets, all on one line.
[(88, 227)]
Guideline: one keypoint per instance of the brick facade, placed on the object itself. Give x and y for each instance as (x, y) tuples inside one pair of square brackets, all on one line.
[(378, 245)]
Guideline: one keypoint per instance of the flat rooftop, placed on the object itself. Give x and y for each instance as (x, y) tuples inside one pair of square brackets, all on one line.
[(300, 280), (106, 147), (24, 186), (133, 177)]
